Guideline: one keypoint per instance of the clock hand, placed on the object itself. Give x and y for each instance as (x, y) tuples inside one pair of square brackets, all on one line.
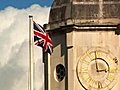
[(96, 61), (97, 65), (102, 70)]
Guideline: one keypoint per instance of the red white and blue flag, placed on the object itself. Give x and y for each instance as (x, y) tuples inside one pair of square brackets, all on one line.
[(42, 39)]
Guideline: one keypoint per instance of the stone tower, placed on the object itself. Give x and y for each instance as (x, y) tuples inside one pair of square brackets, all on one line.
[(86, 40)]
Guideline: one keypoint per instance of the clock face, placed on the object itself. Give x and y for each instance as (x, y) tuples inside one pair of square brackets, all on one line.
[(97, 69)]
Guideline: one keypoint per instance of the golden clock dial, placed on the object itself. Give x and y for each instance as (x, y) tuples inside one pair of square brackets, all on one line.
[(97, 69)]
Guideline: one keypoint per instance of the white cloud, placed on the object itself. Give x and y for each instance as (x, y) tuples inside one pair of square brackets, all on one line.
[(14, 47)]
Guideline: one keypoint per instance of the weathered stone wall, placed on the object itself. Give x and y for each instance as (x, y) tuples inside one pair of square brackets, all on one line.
[(99, 12)]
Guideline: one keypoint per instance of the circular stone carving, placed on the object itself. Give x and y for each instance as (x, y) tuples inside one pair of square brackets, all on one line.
[(60, 72)]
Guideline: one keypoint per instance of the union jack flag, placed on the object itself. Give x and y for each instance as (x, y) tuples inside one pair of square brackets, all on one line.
[(42, 39)]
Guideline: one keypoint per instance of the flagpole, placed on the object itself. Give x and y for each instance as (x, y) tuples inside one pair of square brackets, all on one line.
[(30, 84)]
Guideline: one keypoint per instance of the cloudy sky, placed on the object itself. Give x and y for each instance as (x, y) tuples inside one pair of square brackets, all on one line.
[(14, 25)]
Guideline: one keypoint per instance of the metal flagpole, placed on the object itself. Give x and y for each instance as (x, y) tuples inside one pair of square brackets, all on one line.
[(30, 83)]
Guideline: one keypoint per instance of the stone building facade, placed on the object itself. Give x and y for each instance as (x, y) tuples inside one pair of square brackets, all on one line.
[(86, 53)]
